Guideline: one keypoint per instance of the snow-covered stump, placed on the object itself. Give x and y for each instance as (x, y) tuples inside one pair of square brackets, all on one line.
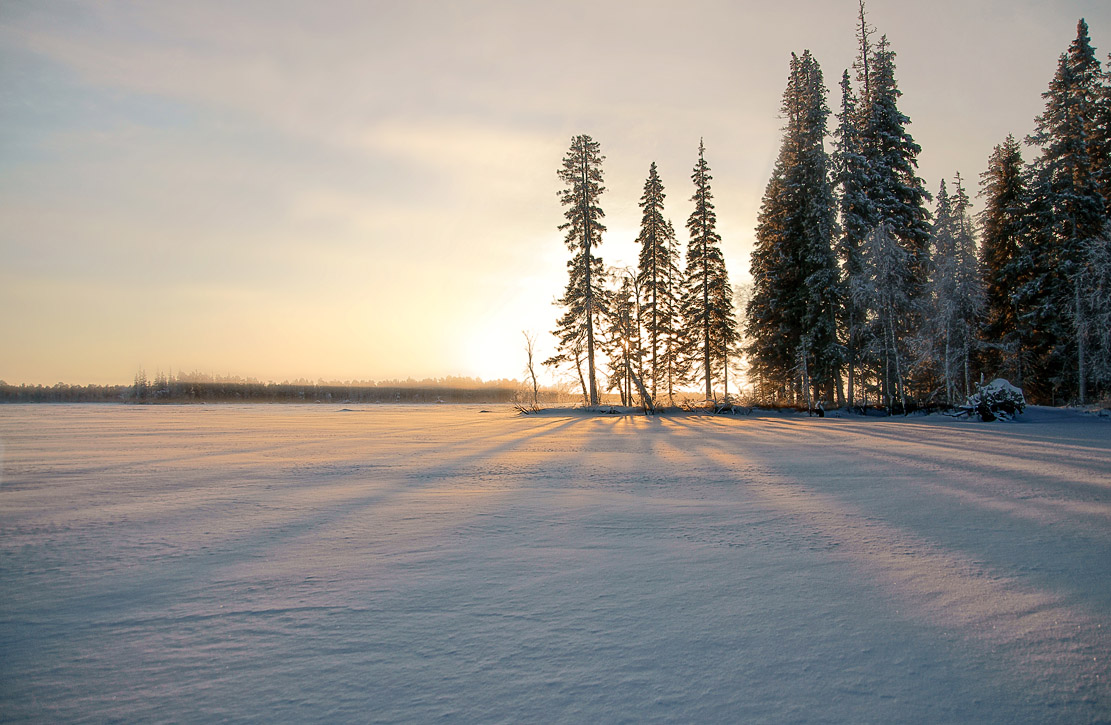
[(997, 399)]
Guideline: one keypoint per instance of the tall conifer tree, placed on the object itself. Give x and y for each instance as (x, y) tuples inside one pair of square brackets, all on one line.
[(583, 299), (936, 338), (894, 198), (622, 336), (969, 288), (884, 293), (896, 194), (793, 311), (850, 168), (1002, 222), (707, 302), (955, 293), (1101, 138), (875, 167), (656, 272), (1067, 177)]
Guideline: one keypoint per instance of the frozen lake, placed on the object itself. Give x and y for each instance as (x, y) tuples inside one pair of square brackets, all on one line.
[(262, 563)]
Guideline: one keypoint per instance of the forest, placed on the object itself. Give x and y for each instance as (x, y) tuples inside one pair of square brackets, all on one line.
[(867, 289)]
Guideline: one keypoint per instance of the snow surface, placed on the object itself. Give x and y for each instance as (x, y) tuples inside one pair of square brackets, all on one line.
[(395, 563)]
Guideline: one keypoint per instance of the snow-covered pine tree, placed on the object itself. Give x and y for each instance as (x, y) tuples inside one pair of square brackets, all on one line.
[(955, 294), (1038, 313), (1066, 175), (707, 300), (769, 350), (850, 171), (793, 311), (862, 64), (657, 269), (742, 295), (1002, 222), (671, 353), (937, 333), (1097, 286), (884, 291), (1100, 137), (895, 193), (822, 283), (956, 291), (582, 175), (622, 336), (968, 287)]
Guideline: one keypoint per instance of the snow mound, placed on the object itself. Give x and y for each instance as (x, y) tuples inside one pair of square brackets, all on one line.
[(997, 399)]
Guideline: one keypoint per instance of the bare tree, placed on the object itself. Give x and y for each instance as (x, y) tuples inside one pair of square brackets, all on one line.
[(530, 369)]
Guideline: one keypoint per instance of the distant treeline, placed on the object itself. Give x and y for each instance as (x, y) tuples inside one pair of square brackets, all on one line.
[(62, 393), (167, 390)]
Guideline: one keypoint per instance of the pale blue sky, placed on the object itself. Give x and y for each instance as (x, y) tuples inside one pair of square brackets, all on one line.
[(367, 190)]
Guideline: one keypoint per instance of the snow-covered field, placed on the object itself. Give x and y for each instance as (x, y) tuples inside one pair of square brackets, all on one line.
[(444, 563)]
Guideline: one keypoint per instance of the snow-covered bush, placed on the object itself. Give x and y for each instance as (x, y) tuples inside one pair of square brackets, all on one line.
[(997, 399)]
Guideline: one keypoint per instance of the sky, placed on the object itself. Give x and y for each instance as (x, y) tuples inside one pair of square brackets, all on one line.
[(367, 190)]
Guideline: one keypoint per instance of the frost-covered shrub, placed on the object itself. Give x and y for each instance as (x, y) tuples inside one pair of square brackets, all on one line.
[(997, 398)]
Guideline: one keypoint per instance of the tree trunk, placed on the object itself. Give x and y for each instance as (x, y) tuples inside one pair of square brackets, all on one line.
[(805, 369), (967, 371), (948, 385), (706, 321), (532, 370), (590, 344), (628, 379), (579, 368), (646, 400), (901, 388), (655, 318), (589, 289), (836, 387), (885, 382), (851, 344), (852, 378), (725, 378), (1081, 331)]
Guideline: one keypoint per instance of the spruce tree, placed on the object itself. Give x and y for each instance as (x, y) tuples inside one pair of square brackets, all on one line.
[(968, 284), (884, 292), (936, 340), (819, 227), (582, 300), (1037, 303), (955, 293), (707, 301), (895, 192), (875, 166), (1002, 222), (863, 62), (793, 311), (1098, 294), (622, 336), (672, 336), (1067, 176), (656, 272), (896, 200), (850, 169), (1100, 138)]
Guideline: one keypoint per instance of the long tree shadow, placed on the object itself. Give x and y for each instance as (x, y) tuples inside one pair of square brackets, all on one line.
[(1050, 629), (296, 507)]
